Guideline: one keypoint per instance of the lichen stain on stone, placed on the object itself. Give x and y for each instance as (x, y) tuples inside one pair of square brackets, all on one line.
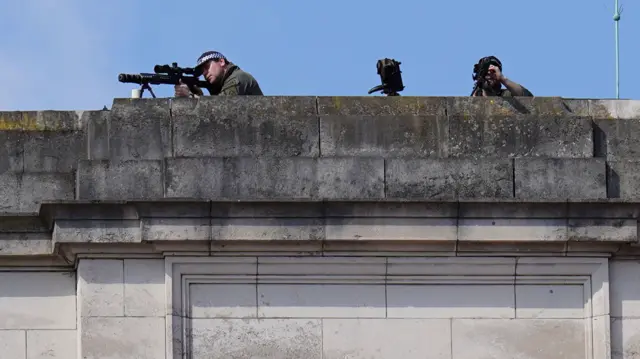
[(24, 122), (337, 103)]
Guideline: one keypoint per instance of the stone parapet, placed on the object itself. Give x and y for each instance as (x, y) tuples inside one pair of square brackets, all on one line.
[(332, 148)]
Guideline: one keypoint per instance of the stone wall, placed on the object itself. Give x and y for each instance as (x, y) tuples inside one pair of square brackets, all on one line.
[(321, 148), (321, 227)]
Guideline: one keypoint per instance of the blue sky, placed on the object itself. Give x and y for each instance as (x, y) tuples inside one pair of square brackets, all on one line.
[(66, 54)]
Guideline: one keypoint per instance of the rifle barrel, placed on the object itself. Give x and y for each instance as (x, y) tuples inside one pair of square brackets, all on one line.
[(160, 79)]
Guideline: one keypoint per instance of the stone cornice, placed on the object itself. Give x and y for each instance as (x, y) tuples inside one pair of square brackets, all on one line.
[(65, 229)]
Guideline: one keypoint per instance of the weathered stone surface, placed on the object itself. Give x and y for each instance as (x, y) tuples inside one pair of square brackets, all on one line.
[(51, 344), (505, 339), (97, 231), (54, 121), (140, 131), (624, 179), (575, 178), (381, 106), (415, 127), (144, 288), (380, 338), (617, 139), (297, 178), (97, 134), (231, 126), (614, 109), (138, 337), (253, 338), (11, 151), (201, 177), (141, 179), (101, 287), (23, 192), (449, 178), (505, 128), (50, 151)]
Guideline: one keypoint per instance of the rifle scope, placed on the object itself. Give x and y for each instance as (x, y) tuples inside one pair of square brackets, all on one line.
[(166, 69)]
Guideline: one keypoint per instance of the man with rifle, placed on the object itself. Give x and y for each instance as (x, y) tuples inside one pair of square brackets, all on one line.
[(224, 77), (488, 77)]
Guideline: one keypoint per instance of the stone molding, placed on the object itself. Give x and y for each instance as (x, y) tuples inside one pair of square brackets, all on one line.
[(592, 274), (67, 229)]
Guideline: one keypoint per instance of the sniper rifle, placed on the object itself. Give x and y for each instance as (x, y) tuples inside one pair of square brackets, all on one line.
[(165, 75)]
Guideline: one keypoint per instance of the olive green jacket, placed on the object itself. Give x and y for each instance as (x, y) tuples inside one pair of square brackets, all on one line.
[(238, 82)]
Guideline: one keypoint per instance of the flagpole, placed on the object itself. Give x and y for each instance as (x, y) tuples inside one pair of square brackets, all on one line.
[(616, 19)]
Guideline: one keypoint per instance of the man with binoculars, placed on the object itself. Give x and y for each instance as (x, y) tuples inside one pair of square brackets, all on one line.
[(489, 80)]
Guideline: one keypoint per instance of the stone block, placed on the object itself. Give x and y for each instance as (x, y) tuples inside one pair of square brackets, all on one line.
[(316, 267), (624, 294), (391, 209), (448, 178), (222, 301), (380, 106), (23, 192), (25, 244), (252, 338), (144, 288), (52, 344), (13, 344), (512, 230), (300, 178), (130, 180), (49, 120), (401, 229), (490, 209), (100, 288), (526, 338), (245, 126), (515, 127), (195, 177), (97, 231), (350, 178), (37, 300), (10, 200), (369, 126), (384, 136), (384, 338), (555, 178), (122, 338), (617, 139), (603, 230), (321, 301), (272, 178), (625, 343), (623, 179), (614, 109), (268, 209), (450, 301), (140, 129), (176, 229), (550, 301), (291, 229), (54, 151), (97, 135), (12, 151)]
